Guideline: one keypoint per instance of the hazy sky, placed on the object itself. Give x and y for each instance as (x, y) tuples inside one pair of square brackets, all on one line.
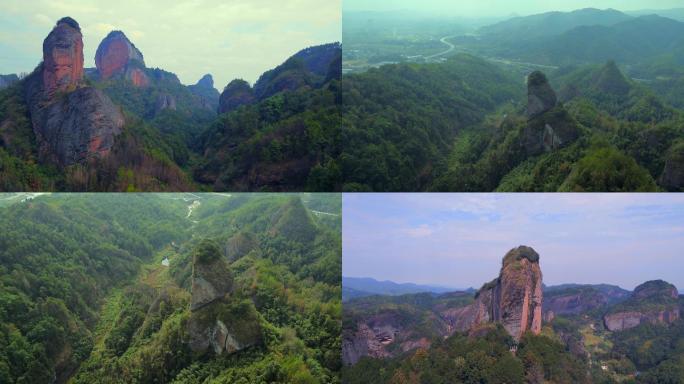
[(458, 240), (480, 8), (227, 38)]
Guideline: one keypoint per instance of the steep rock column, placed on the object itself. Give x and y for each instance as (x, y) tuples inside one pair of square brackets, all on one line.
[(520, 287), (63, 56)]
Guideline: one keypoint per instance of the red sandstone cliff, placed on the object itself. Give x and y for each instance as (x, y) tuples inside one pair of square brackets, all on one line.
[(117, 56)]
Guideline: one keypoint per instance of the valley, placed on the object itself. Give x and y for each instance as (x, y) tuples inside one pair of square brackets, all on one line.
[(130, 288), (463, 120)]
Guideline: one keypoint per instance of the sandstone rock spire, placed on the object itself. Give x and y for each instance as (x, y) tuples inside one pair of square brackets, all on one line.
[(63, 56)]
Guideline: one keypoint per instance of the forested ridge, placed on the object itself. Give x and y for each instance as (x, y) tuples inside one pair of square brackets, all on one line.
[(462, 125), (98, 288)]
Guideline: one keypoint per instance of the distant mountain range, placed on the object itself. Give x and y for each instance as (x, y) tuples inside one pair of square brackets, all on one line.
[(582, 36), (353, 287)]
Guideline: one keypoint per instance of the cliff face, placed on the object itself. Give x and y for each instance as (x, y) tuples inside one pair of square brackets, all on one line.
[(72, 122), (62, 56), (116, 55), (204, 89), (630, 319), (576, 299), (549, 126), (218, 322), (515, 298), (654, 302)]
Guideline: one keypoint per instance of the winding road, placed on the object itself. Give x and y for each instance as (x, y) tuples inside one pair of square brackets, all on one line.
[(444, 41)]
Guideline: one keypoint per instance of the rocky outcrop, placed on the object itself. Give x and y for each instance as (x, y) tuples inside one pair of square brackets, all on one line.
[(654, 302), (72, 122), (211, 275), (7, 80), (540, 96), (364, 342), (514, 299), (549, 126), (218, 322), (81, 125), (164, 101), (114, 53), (672, 177), (204, 89), (655, 289), (117, 56), (576, 299), (630, 319), (237, 93), (62, 66)]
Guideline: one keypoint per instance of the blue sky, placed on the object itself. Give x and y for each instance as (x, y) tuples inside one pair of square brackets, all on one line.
[(496, 8), (458, 240), (227, 38)]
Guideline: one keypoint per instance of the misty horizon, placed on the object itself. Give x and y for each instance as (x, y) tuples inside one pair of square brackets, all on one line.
[(500, 8)]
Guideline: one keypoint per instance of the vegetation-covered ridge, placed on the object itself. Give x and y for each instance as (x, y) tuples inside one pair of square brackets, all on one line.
[(98, 288), (464, 125)]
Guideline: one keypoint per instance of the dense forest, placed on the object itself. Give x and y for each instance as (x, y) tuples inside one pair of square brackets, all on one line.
[(104, 287)]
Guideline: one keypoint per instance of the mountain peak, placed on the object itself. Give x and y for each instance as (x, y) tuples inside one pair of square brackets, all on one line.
[(117, 55), (237, 93), (207, 81), (70, 22), (611, 80), (655, 289)]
